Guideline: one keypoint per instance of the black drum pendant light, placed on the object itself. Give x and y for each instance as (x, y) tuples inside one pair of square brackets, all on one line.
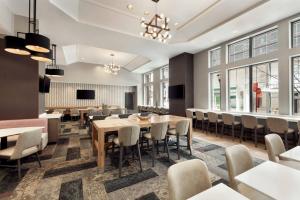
[(16, 45), (53, 69)]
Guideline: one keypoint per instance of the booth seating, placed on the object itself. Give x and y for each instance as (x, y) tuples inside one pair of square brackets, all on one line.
[(152, 109)]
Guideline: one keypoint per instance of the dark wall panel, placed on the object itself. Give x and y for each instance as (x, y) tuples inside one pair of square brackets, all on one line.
[(19, 82)]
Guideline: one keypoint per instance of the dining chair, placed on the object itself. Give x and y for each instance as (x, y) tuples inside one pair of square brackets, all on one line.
[(28, 143), (239, 160), (200, 117), (250, 122), (128, 137), (229, 120), (182, 128), (110, 134), (213, 118), (279, 126), (275, 147), (74, 113), (158, 133), (187, 178), (190, 114)]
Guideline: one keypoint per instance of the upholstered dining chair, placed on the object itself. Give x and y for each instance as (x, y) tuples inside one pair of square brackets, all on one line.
[(213, 118), (229, 120), (158, 133), (128, 137), (28, 143), (110, 134), (190, 114), (250, 122), (279, 126), (188, 178), (200, 117), (182, 128), (239, 160), (275, 147), (74, 113)]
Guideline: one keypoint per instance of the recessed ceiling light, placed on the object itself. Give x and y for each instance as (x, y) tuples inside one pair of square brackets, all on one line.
[(129, 6), (146, 13), (176, 24)]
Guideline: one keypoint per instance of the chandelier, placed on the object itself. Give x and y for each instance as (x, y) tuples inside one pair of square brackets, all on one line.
[(112, 68), (157, 28)]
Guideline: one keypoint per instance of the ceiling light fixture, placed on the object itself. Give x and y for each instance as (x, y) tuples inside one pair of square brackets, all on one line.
[(53, 70), (157, 27), (112, 68), (130, 7), (16, 45)]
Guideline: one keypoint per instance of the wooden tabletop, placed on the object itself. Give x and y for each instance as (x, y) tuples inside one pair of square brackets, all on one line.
[(292, 154), (273, 180), (218, 192)]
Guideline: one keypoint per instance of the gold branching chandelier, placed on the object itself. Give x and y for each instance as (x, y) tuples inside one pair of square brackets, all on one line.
[(157, 28), (112, 68)]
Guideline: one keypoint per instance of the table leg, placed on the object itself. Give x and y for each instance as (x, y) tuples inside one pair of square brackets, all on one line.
[(94, 138), (101, 149), (190, 134), (81, 118), (3, 143)]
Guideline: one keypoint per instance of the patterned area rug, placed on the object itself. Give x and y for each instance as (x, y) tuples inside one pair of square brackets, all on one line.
[(69, 171)]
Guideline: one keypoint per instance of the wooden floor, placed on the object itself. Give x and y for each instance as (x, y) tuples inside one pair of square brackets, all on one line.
[(225, 141)]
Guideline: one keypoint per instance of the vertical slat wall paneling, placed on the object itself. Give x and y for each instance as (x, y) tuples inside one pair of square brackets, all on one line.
[(64, 95)]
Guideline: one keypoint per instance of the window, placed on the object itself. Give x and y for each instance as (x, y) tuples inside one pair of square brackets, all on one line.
[(265, 97), (296, 85), (296, 34), (164, 87), (265, 43), (215, 57), (148, 89), (238, 90), (215, 91), (238, 50)]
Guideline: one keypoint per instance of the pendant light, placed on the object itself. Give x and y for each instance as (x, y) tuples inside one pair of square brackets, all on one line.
[(16, 45), (53, 69)]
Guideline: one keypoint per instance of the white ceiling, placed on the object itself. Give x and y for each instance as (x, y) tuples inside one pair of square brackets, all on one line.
[(92, 29)]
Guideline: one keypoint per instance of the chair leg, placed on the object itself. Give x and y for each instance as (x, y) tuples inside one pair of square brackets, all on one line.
[(167, 147), (216, 129), (202, 126), (208, 123), (157, 147), (222, 130), (242, 134), (177, 136), (286, 141), (153, 152), (189, 145), (232, 134), (120, 159), (19, 168), (113, 148), (139, 154), (255, 137), (38, 159)]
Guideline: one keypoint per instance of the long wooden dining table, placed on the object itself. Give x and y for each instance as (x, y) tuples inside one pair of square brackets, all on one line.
[(100, 127)]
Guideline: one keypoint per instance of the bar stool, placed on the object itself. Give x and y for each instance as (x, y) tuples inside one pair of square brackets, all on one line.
[(250, 122), (281, 127), (190, 114), (200, 117), (213, 119), (229, 120)]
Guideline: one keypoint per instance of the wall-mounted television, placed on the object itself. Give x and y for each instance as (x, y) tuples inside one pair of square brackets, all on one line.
[(44, 84), (176, 92), (85, 94)]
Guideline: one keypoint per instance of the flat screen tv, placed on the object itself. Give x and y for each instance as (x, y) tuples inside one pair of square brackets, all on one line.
[(44, 84), (176, 92), (85, 94)]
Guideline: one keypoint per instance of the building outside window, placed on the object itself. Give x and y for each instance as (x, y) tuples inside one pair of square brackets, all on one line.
[(215, 91), (265, 88), (265, 43), (238, 90), (148, 89), (295, 33), (164, 87), (214, 57), (238, 50), (296, 85)]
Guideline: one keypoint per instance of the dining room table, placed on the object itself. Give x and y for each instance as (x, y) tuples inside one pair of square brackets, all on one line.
[(292, 154), (101, 127)]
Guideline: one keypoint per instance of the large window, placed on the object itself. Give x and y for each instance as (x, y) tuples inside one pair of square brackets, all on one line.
[(265, 88), (238, 50), (265, 43), (164, 87), (215, 57), (215, 91), (148, 89), (296, 85), (296, 33), (238, 90)]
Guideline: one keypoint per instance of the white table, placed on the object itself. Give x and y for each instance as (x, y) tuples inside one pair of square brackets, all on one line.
[(292, 154), (218, 192), (273, 180)]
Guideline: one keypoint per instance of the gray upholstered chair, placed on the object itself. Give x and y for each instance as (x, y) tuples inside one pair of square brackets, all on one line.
[(182, 128), (190, 114), (275, 147), (158, 133), (74, 113), (213, 118), (106, 111), (128, 137), (28, 143), (188, 178), (239, 160), (229, 120), (279, 126), (250, 122), (200, 117)]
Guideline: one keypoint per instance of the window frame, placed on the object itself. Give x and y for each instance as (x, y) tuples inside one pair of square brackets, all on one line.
[(267, 45), (291, 32), (161, 82), (291, 92), (148, 84), (235, 42), (210, 89), (209, 56)]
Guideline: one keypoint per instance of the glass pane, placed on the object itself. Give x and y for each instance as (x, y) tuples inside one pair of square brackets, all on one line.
[(296, 85), (148, 95), (215, 57), (148, 78), (296, 34), (265, 43), (239, 50), (215, 91), (165, 94), (238, 82), (164, 73)]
